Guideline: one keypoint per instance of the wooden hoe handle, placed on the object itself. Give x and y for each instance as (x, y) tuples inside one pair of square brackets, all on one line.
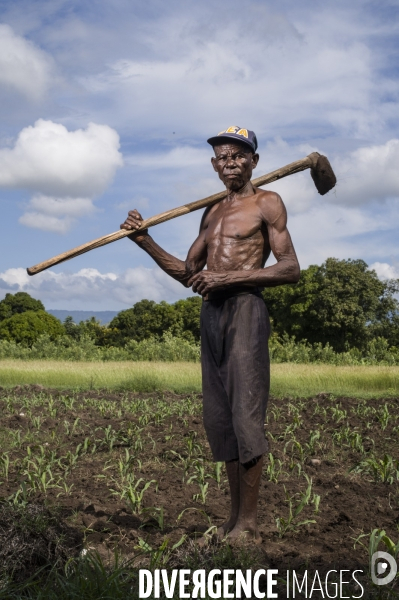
[(295, 167)]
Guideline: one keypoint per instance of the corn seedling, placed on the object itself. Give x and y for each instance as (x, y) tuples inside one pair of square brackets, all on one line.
[(186, 462), (52, 410), (290, 524), (67, 489), (338, 414), (144, 419), (199, 477), (36, 422), (296, 450), (158, 514), (110, 437), (276, 412), (200, 510), (16, 437), (273, 469), (294, 413), (40, 481), (5, 464), (132, 493), (295, 465), (378, 536), (313, 439), (202, 493), (384, 469), (68, 402), (71, 459), (125, 464), (290, 430), (316, 501), (384, 416), (193, 447), (20, 496), (356, 442), (199, 474), (159, 557), (217, 473), (71, 429)]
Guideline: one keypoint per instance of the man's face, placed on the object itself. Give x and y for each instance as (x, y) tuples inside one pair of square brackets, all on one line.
[(234, 165)]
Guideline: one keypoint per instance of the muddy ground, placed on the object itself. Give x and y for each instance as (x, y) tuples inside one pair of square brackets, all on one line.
[(93, 453)]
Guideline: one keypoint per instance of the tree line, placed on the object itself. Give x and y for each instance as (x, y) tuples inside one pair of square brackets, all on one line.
[(340, 303)]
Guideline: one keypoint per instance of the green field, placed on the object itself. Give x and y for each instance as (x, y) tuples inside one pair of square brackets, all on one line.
[(287, 379)]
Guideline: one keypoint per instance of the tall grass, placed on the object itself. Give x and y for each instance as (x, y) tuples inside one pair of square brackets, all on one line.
[(307, 380), (180, 377), (185, 377)]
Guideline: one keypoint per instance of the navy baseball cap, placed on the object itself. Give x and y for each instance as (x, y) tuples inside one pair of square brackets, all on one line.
[(234, 133)]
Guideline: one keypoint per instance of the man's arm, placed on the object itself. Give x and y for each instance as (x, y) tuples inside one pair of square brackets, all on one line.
[(180, 270), (286, 270)]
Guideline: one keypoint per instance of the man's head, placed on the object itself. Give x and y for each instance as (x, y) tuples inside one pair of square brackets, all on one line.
[(235, 156)]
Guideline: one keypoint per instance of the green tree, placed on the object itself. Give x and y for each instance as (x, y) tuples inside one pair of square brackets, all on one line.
[(91, 328), (188, 311), (26, 327), (145, 319), (341, 302), (148, 318), (18, 303)]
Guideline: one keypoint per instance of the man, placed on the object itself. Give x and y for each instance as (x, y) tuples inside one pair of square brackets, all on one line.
[(235, 240)]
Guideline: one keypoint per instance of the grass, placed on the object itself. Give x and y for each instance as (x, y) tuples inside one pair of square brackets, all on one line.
[(287, 379), (180, 377)]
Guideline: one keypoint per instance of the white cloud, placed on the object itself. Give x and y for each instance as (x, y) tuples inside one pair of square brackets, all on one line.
[(342, 232), (92, 289), (286, 73), (385, 270), (368, 174), (55, 214), (71, 207), (66, 168), (23, 66), (49, 159), (38, 220)]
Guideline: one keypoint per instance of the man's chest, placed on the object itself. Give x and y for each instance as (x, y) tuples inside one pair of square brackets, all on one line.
[(237, 221)]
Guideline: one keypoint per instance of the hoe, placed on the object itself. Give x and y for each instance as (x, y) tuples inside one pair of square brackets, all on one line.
[(320, 170)]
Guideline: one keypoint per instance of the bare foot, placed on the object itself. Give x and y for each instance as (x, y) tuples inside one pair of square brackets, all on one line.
[(224, 529), (242, 533)]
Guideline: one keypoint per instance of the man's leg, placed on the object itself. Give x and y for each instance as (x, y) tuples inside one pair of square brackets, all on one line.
[(244, 481), (233, 474), (247, 522), (245, 375)]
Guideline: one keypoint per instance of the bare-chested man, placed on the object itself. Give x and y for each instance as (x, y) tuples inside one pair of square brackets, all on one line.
[(235, 240)]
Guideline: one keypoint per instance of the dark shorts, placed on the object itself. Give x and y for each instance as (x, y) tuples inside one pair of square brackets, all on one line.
[(235, 374)]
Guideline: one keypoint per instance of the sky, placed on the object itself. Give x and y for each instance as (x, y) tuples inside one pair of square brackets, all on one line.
[(106, 107)]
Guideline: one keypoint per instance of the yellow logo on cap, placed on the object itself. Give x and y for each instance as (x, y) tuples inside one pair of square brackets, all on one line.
[(236, 130)]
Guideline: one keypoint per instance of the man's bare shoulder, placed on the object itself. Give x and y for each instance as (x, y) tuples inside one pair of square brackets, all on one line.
[(206, 216), (271, 205)]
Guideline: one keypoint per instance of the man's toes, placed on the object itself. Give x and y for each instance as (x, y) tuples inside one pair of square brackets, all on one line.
[(221, 533)]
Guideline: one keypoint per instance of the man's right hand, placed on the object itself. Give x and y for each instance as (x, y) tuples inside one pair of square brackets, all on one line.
[(133, 221)]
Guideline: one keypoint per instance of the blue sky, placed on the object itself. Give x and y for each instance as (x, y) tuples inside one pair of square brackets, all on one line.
[(107, 106)]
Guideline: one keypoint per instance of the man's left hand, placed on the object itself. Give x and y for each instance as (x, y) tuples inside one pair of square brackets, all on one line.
[(207, 281)]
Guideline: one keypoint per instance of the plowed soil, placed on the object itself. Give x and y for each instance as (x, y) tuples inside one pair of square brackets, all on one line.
[(122, 439)]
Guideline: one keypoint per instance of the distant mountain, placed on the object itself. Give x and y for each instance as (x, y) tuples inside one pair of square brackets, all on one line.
[(104, 316)]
